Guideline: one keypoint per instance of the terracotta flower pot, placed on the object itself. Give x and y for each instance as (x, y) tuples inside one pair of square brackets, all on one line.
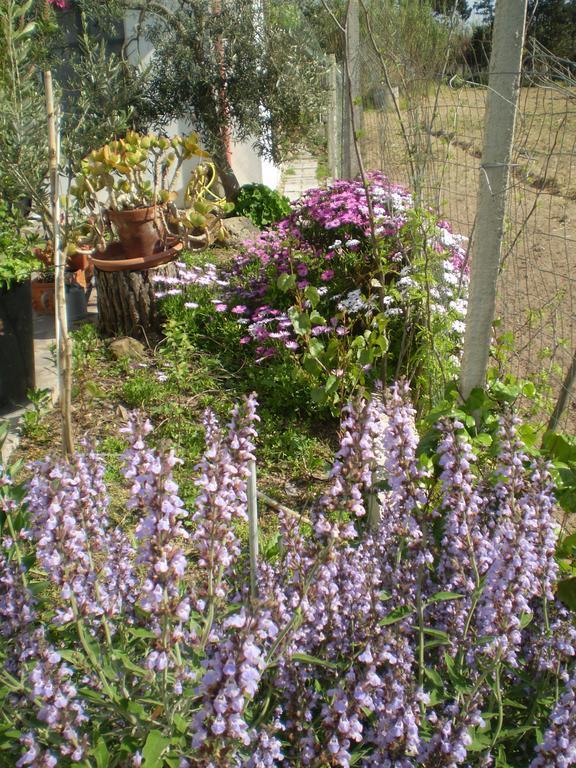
[(116, 259), (43, 294), (141, 231), (79, 260)]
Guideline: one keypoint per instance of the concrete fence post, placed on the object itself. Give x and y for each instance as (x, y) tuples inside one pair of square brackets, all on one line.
[(501, 107), (352, 117), (334, 118)]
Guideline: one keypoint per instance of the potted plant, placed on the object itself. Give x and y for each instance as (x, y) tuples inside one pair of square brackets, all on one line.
[(126, 185), (17, 263), (43, 289), (200, 223)]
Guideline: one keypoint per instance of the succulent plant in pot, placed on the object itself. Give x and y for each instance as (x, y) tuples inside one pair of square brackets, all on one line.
[(126, 185), (200, 223)]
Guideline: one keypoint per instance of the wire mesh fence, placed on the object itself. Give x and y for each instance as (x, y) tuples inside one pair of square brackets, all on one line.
[(423, 125)]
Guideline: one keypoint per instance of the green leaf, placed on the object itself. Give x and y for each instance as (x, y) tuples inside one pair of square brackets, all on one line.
[(525, 619), (316, 318), (128, 664), (300, 321), (286, 282), (311, 365), (434, 676), (528, 389), (311, 293), (318, 395), (316, 347), (146, 634), (567, 592), (100, 752), (560, 446), (331, 384), (155, 744), (306, 658), (567, 545), (440, 597), (437, 633), (396, 615), (181, 723)]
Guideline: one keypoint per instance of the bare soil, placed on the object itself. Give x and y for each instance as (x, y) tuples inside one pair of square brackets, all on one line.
[(439, 151)]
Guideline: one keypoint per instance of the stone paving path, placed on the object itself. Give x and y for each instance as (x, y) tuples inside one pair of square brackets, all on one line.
[(298, 175)]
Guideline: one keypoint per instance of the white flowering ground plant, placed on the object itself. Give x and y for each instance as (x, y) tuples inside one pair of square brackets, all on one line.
[(409, 618), (353, 286)]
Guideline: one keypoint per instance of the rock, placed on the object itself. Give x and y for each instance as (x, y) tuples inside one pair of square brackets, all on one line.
[(239, 229), (128, 347)]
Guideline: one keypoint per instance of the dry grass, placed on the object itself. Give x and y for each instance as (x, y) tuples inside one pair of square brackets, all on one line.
[(444, 130)]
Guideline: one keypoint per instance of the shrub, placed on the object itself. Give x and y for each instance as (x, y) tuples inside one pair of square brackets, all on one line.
[(262, 205), (17, 260), (409, 621), (355, 292)]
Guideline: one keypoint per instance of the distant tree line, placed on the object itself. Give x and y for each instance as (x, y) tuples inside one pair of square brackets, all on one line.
[(551, 22)]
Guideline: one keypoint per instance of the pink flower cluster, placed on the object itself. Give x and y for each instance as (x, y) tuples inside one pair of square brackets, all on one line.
[(344, 205)]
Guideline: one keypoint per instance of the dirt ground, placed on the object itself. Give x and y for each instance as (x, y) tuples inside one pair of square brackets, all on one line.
[(537, 293)]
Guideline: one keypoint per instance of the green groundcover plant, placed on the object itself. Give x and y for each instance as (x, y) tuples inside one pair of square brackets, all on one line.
[(409, 619), (17, 260), (356, 285), (262, 205)]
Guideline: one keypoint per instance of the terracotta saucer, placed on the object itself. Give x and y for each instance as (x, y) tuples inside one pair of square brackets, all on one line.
[(114, 258)]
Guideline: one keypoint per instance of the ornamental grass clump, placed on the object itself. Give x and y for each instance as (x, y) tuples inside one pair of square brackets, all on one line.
[(408, 618), (355, 285)]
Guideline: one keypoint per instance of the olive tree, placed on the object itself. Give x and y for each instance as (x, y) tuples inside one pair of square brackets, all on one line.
[(233, 68)]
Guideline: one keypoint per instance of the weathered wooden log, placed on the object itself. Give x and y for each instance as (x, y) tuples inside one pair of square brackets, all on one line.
[(127, 305)]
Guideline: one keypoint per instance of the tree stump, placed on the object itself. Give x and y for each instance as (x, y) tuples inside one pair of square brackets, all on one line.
[(126, 302)]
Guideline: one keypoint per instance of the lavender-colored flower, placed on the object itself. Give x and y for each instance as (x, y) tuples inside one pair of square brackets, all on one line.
[(90, 565), (355, 463), (224, 470), (51, 691), (160, 534), (558, 749), (232, 671), (523, 541), (448, 746)]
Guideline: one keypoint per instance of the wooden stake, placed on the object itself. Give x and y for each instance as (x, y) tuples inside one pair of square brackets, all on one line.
[(63, 343)]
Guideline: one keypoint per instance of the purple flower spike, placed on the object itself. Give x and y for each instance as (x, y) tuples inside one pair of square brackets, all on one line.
[(558, 750), (160, 534)]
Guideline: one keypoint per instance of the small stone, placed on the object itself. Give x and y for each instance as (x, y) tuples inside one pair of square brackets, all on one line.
[(239, 229), (128, 347)]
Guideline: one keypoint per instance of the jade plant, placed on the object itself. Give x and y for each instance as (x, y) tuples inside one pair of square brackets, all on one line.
[(201, 219), (134, 172)]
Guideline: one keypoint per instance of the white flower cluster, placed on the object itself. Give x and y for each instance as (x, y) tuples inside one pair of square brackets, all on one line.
[(354, 302)]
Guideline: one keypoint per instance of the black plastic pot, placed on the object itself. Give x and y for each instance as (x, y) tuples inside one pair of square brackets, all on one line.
[(16, 344)]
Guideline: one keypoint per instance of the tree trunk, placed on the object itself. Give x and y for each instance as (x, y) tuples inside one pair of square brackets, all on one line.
[(227, 177), (126, 302)]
